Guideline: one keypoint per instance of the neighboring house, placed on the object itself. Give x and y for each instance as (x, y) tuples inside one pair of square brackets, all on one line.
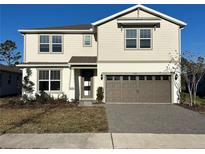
[(10, 79), (126, 53)]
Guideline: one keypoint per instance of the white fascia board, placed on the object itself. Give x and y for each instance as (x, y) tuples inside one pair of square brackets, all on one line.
[(115, 15), (138, 21), (82, 63), (163, 15), (144, 8), (53, 30), (42, 65)]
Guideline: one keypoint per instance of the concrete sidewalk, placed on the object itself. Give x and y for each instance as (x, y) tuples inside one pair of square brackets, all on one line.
[(102, 141)]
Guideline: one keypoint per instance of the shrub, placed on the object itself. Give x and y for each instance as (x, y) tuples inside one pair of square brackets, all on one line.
[(23, 101), (74, 102), (44, 98), (100, 94), (62, 98), (182, 97), (27, 84)]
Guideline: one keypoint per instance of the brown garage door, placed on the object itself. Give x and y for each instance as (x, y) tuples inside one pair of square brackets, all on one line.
[(138, 88)]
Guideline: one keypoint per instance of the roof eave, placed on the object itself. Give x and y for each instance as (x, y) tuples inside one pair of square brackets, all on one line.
[(25, 31), (176, 21)]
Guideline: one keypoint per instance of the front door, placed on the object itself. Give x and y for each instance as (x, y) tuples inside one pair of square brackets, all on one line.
[(87, 83)]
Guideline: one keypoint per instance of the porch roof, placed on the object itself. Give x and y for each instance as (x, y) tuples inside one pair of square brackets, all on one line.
[(83, 60)]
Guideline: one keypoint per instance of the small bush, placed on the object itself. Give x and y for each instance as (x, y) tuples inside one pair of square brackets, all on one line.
[(19, 102), (182, 97), (62, 98), (74, 102), (100, 94), (44, 98)]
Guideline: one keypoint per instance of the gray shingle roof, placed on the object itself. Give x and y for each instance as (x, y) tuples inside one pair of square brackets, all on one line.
[(69, 27), (81, 59), (5, 68)]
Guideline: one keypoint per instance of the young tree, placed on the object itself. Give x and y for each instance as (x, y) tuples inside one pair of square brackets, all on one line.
[(27, 85), (192, 69), (8, 53)]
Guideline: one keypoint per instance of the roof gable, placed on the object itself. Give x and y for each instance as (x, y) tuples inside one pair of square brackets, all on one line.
[(144, 8)]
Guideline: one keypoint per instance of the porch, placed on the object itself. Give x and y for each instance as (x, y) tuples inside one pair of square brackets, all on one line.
[(83, 78)]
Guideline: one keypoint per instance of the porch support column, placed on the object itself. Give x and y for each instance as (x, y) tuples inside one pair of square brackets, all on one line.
[(72, 84)]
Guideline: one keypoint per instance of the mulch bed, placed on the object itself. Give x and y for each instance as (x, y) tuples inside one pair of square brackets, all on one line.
[(193, 108)]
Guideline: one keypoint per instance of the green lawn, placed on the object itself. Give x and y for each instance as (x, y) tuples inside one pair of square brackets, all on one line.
[(58, 119)]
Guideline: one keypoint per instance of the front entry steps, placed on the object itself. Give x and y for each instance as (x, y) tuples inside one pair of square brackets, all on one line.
[(89, 103), (86, 102)]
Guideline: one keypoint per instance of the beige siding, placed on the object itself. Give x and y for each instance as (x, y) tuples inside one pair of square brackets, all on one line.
[(111, 42), (72, 46)]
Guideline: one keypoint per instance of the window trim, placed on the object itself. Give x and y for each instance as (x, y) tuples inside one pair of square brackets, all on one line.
[(138, 39), (84, 45), (145, 38), (49, 79), (51, 44), (44, 43), (57, 43), (125, 39)]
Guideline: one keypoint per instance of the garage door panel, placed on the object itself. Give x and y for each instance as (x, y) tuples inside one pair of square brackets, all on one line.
[(162, 91), (128, 91), (113, 88), (145, 91)]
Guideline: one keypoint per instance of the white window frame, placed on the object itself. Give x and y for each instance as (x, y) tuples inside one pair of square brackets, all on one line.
[(139, 29), (57, 43), (44, 43), (49, 79), (90, 41), (131, 38), (138, 39), (51, 43)]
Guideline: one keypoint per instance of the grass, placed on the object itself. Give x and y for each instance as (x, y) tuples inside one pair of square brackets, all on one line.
[(199, 101), (58, 119)]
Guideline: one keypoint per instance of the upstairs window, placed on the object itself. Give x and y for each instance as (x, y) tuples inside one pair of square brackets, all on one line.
[(138, 38), (44, 43), (56, 43), (145, 38), (87, 41), (131, 38), (50, 43)]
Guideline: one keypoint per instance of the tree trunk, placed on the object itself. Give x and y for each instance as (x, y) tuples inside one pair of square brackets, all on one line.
[(191, 98), (194, 88)]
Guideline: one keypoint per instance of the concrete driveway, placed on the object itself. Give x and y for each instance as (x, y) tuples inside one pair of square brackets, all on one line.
[(154, 118)]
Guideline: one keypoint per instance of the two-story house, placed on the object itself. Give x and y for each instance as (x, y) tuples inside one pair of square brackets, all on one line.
[(126, 53)]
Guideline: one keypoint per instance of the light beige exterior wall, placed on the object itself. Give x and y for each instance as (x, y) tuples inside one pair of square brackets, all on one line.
[(66, 84), (70, 82), (111, 43), (166, 41), (72, 46)]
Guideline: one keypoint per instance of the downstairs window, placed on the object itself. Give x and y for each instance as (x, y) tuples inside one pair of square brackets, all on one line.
[(49, 80)]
